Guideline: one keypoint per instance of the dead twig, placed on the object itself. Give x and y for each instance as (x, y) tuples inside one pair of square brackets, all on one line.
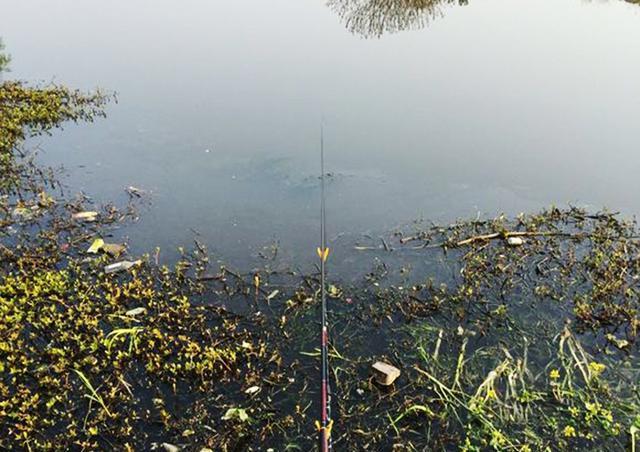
[(505, 235)]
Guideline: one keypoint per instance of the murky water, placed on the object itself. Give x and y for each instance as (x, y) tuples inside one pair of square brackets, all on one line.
[(496, 106)]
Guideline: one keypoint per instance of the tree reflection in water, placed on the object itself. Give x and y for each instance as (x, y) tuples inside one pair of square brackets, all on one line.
[(373, 18)]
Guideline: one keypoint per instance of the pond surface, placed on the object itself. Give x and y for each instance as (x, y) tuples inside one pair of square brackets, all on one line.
[(497, 106)]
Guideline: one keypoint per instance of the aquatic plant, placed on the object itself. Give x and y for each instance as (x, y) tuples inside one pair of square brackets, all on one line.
[(27, 111), (511, 334)]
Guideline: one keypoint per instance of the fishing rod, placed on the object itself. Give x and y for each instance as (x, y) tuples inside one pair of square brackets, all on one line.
[(325, 424)]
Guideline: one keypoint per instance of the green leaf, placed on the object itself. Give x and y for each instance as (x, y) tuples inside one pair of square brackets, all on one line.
[(236, 413)]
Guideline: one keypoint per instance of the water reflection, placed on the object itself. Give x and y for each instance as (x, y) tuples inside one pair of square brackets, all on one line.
[(225, 138), (5, 59), (373, 18)]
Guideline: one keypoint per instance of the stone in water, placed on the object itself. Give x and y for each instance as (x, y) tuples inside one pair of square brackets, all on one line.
[(385, 374), (113, 249), (515, 241)]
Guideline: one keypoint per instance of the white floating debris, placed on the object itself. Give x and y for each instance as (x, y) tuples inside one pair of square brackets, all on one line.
[(88, 216), (121, 266), (252, 390), (515, 241), (136, 311), (170, 447), (134, 191), (385, 374)]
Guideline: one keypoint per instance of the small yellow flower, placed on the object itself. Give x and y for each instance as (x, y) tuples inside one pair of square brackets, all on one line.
[(596, 368), (497, 439), (569, 432), (592, 408), (554, 374), (615, 429)]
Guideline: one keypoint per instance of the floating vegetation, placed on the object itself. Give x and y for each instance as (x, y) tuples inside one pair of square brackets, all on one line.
[(527, 344), (526, 348)]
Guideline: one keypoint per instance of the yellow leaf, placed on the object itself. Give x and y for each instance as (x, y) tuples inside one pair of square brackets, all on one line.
[(96, 246)]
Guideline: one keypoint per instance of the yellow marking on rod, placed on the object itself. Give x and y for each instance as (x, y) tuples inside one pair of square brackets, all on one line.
[(328, 427), (323, 254)]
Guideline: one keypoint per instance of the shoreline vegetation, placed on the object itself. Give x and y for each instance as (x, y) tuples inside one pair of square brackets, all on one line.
[(504, 344)]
